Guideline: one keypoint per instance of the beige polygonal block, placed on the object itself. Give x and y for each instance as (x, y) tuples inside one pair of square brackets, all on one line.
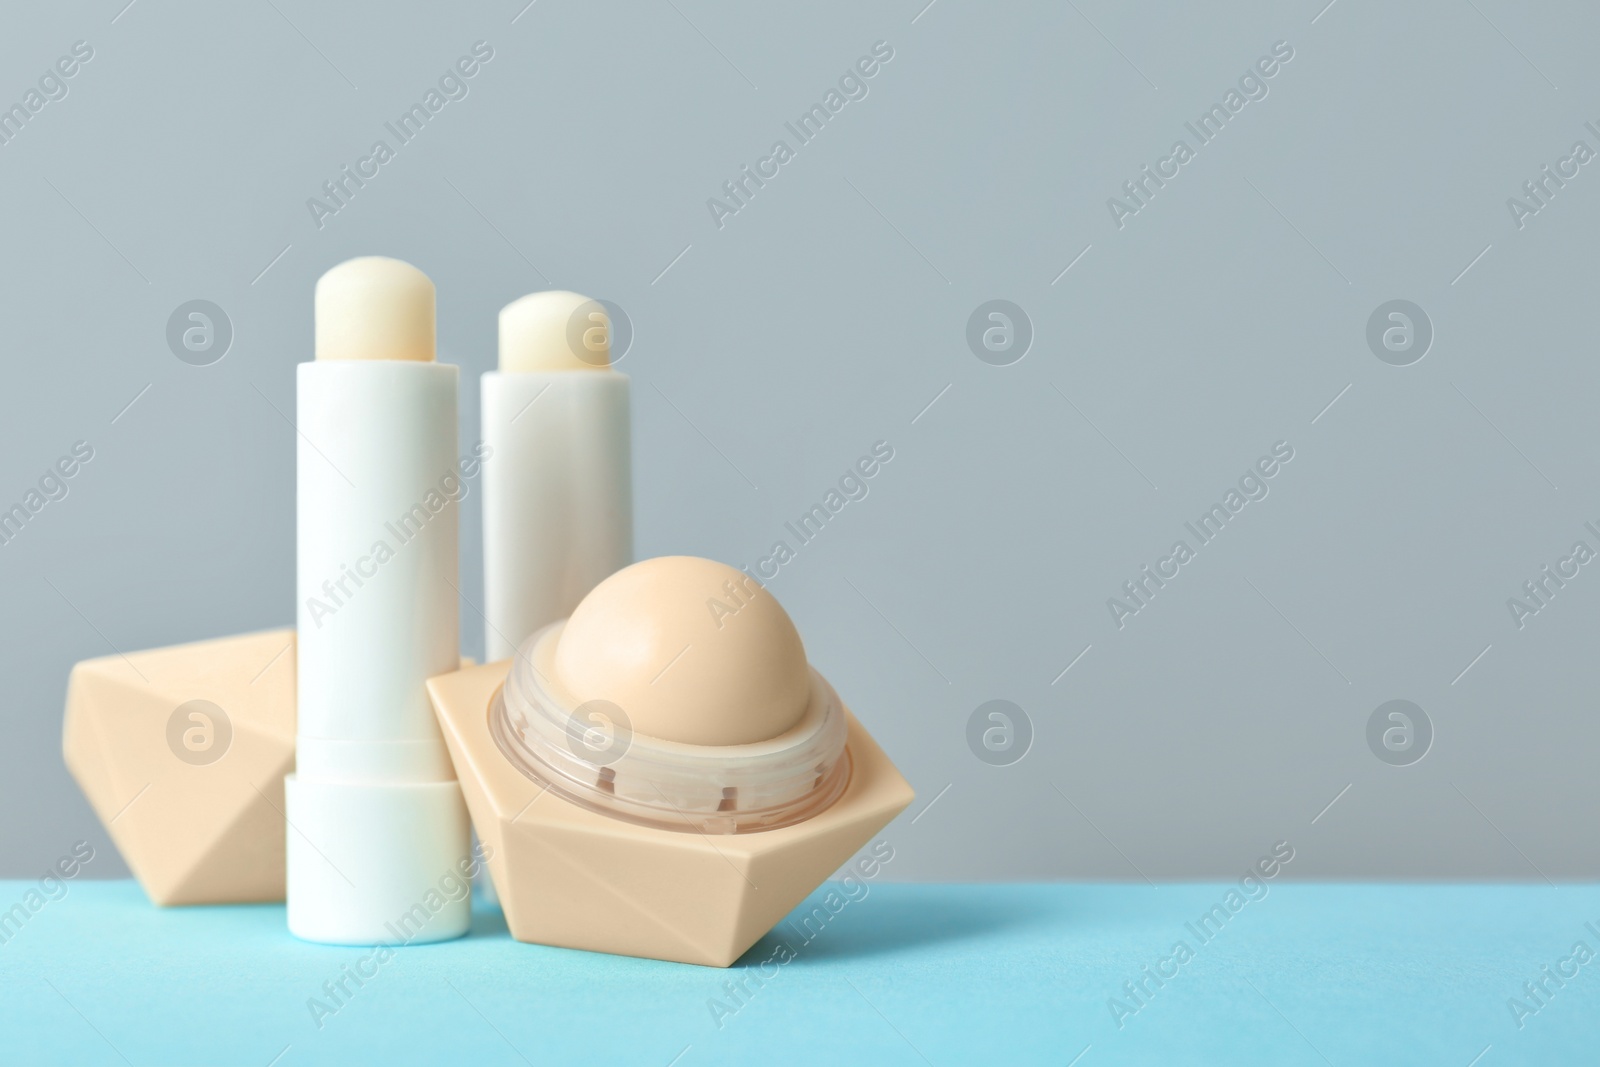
[(575, 878), (182, 752)]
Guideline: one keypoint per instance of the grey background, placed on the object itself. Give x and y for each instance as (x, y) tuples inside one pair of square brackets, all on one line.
[(825, 316)]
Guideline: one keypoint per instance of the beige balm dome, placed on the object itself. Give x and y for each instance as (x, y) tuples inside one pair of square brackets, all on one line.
[(691, 650)]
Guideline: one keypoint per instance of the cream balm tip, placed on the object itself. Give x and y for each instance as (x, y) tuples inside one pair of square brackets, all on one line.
[(375, 308), (554, 330)]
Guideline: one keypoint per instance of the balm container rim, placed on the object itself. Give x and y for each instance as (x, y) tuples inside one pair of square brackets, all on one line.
[(609, 768)]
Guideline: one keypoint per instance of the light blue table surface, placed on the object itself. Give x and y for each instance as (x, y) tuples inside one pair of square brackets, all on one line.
[(905, 974)]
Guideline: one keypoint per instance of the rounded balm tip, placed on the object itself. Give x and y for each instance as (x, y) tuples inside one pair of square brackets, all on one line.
[(691, 650), (554, 330), (374, 307)]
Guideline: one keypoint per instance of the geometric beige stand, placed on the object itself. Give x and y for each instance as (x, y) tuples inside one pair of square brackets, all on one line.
[(576, 878), (182, 752)]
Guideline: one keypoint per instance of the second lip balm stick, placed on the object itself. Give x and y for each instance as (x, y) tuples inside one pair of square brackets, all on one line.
[(376, 819), (558, 497)]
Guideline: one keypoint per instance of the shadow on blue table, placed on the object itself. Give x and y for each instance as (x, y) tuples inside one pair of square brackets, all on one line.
[(839, 922), (836, 923), (487, 921)]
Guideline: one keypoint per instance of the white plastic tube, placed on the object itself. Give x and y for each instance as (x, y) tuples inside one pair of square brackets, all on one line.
[(557, 480), (378, 831)]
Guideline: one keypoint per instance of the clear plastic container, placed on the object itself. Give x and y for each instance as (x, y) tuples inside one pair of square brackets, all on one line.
[(589, 755)]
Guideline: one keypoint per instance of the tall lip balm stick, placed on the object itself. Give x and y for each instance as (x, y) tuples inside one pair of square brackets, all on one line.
[(557, 492), (378, 832)]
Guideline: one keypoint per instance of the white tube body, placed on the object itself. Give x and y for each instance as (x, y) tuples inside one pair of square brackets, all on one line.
[(376, 818), (557, 496)]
